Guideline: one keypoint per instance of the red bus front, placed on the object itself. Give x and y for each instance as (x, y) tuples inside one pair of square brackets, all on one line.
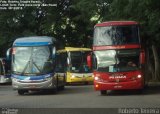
[(117, 56)]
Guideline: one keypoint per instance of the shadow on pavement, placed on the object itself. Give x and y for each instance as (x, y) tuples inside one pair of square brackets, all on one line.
[(39, 92), (72, 89), (150, 90), (77, 89)]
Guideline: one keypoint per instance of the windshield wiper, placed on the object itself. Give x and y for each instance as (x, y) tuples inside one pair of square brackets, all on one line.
[(23, 72), (37, 67), (25, 67)]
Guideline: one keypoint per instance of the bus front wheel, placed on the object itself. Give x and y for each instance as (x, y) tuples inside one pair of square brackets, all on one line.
[(103, 92), (21, 92)]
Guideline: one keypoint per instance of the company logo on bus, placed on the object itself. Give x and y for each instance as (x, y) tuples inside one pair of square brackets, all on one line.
[(117, 76)]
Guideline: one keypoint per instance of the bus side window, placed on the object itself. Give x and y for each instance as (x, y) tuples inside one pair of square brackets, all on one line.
[(64, 61), (8, 66), (94, 62), (0, 68), (58, 63), (61, 63)]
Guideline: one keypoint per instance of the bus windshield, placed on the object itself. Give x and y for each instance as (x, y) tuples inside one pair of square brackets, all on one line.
[(32, 60), (116, 35), (117, 60), (79, 62)]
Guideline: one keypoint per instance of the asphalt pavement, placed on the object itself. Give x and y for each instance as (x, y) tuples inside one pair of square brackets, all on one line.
[(79, 98)]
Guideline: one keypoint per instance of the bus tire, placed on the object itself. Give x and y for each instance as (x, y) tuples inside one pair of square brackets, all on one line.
[(61, 87), (21, 92), (56, 88), (140, 91), (103, 92)]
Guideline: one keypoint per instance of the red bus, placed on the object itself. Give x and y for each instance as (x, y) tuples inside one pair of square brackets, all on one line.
[(118, 57)]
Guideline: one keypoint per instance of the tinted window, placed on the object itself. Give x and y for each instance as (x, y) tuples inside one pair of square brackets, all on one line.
[(79, 61), (61, 61), (116, 35), (117, 60), (1, 68)]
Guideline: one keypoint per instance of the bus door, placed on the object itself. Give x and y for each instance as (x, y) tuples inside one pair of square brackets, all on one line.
[(61, 68)]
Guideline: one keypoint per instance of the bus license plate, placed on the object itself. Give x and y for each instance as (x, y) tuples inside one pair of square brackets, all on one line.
[(118, 86), (32, 86)]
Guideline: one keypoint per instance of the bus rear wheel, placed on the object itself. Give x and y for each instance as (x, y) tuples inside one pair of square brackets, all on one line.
[(21, 92), (140, 91), (103, 92), (61, 87)]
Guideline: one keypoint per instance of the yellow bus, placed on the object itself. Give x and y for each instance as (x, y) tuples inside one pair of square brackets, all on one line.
[(72, 62)]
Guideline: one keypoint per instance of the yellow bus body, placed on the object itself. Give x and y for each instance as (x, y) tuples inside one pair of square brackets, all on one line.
[(77, 77)]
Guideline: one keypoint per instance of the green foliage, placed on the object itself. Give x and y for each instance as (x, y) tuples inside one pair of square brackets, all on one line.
[(146, 12), (72, 21)]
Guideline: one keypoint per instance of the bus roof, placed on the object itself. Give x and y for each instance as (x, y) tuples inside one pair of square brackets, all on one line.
[(34, 41), (114, 23), (67, 49)]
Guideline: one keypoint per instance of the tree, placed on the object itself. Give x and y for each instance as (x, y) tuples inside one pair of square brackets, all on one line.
[(72, 23), (146, 12)]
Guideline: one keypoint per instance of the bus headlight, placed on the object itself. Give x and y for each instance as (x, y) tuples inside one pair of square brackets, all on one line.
[(139, 76), (15, 79), (96, 78), (73, 76), (48, 78)]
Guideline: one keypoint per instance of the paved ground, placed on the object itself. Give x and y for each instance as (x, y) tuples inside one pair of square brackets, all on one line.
[(80, 96)]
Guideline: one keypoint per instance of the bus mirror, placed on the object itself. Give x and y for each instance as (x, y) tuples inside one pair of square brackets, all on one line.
[(8, 54), (142, 57), (89, 61), (54, 52), (68, 62)]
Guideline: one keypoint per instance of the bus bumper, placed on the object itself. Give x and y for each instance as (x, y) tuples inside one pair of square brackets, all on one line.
[(137, 84), (29, 85), (79, 77), (86, 79)]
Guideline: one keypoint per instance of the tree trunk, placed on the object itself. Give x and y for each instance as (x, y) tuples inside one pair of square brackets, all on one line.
[(149, 70), (156, 63)]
